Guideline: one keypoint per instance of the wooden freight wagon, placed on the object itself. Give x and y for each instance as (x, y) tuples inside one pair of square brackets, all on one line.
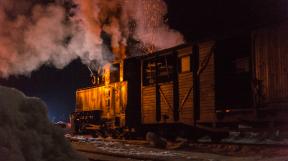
[(271, 64), (168, 95), (251, 81), (270, 48)]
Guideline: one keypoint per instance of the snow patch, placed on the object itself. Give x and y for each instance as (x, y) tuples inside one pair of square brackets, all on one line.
[(26, 133)]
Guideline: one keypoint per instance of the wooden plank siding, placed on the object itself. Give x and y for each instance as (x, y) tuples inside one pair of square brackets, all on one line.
[(149, 105), (207, 83), (166, 97), (207, 87), (271, 62), (185, 83), (186, 98)]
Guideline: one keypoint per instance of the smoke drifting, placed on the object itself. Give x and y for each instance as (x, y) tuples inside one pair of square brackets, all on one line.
[(26, 133), (33, 34)]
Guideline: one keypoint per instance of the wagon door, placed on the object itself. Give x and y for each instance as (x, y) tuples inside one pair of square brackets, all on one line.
[(165, 91), (158, 89)]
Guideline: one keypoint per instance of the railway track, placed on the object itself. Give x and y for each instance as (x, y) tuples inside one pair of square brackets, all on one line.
[(240, 144), (225, 149), (240, 149), (104, 156)]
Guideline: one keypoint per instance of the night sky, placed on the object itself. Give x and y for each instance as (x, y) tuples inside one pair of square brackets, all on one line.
[(195, 19)]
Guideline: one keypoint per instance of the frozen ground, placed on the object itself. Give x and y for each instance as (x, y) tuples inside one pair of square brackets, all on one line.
[(253, 138), (107, 150)]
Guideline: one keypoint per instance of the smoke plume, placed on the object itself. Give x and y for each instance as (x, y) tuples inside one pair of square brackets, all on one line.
[(26, 133), (34, 33)]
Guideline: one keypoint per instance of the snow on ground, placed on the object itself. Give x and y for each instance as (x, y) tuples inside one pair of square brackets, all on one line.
[(124, 150), (256, 138), (251, 138)]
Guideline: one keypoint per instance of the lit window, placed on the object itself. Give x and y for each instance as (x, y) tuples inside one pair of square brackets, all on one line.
[(185, 64)]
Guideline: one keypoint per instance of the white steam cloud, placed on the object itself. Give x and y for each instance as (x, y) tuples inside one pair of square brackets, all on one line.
[(26, 133), (33, 34)]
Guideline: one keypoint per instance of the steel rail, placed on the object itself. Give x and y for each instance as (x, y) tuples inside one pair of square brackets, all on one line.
[(117, 155)]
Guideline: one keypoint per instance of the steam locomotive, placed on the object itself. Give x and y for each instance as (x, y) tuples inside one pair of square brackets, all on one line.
[(238, 82)]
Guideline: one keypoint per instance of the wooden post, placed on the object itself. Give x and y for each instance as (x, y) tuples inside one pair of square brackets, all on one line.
[(196, 84), (158, 99), (175, 89)]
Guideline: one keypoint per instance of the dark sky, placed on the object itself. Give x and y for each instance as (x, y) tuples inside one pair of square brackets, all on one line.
[(196, 19), (202, 18)]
